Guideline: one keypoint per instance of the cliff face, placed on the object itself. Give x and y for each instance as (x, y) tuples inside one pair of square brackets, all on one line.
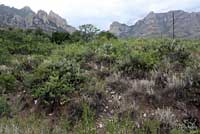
[(25, 18), (187, 25), (119, 29)]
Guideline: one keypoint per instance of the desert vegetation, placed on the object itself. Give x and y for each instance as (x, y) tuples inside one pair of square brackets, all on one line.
[(91, 82)]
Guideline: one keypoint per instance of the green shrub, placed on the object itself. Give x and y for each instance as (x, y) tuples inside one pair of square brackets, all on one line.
[(28, 63), (4, 107), (78, 52), (77, 36), (60, 37), (175, 52), (138, 63), (107, 53), (19, 42), (30, 48), (7, 83), (106, 35), (4, 55), (63, 78)]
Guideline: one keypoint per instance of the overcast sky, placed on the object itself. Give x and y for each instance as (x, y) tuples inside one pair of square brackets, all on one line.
[(102, 13)]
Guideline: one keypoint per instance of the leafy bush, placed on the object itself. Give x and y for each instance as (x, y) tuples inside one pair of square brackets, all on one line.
[(77, 36), (63, 78), (106, 35), (137, 64), (107, 53), (175, 52), (7, 83), (60, 37), (4, 107), (78, 52), (193, 75), (28, 63), (4, 55), (30, 48), (18, 42)]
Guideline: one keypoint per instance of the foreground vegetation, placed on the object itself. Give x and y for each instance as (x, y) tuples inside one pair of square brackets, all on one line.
[(95, 83)]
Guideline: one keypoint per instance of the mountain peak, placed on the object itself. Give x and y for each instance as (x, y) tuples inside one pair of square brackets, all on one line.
[(53, 13), (42, 12), (150, 13), (187, 25), (177, 11), (25, 18), (27, 8), (116, 23), (55, 18)]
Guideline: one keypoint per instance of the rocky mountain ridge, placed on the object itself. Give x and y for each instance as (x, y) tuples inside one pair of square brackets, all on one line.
[(187, 25), (25, 18)]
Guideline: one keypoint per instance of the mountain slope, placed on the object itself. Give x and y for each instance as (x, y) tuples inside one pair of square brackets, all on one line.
[(187, 25), (25, 18)]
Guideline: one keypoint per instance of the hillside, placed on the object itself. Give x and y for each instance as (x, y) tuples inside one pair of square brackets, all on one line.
[(55, 79), (187, 25), (105, 86), (25, 18)]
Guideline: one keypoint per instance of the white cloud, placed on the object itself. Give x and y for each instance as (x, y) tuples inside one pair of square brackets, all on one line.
[(103, 12)]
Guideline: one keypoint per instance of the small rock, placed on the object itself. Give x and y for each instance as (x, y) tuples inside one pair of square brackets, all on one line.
[(62, 103), (35, 102), (137, 125), (100, 125), (50, 114), (112, 92)]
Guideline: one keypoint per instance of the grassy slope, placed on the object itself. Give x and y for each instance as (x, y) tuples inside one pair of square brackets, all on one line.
[(136, 82)]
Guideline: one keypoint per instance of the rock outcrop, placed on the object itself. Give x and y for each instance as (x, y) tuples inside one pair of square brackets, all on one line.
[(25, 18), (187, 25)]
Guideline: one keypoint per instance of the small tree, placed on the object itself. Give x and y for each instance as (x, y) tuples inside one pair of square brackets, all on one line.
[(88, 32)]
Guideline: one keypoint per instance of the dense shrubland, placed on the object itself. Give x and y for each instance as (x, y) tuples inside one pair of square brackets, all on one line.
[(91, 82)]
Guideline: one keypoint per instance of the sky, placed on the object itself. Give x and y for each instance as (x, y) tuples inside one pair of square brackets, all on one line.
[(102, 13)]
